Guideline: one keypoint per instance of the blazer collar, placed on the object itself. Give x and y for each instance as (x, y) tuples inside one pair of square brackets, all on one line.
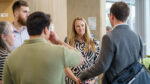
[(121, 26)]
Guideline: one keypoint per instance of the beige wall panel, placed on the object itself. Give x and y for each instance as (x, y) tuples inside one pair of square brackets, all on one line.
[(58, 11), (102, 18), (60, 18), (6, 7)]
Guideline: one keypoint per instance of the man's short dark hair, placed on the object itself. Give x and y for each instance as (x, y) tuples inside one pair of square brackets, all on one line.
[(18, 4), (120, 10), (36, 23)]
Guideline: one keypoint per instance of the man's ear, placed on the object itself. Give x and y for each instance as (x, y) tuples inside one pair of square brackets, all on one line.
[(45, 30), (112, 16), (16, 13)]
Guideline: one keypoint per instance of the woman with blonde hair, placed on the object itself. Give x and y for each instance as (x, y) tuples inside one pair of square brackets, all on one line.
[(81, 39), (6, 41)]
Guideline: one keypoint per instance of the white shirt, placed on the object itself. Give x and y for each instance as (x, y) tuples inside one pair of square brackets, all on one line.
[(20, 37)]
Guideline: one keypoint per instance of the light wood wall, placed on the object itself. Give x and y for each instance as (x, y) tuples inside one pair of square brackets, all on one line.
[(87, 8), (6, 7), (58, 11)]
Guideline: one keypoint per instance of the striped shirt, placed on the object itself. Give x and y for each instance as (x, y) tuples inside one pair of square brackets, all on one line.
[(89, 59), (3, 55)]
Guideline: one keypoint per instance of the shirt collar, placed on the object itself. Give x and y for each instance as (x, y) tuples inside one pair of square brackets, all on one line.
[(119, 25), (35, 40), (15, 30)]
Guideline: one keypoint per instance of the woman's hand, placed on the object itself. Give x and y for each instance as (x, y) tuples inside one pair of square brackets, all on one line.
[(77, 80), (71, 75)]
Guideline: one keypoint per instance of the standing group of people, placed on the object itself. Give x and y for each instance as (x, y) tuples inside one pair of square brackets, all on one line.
[(39, 57), (13, 35)]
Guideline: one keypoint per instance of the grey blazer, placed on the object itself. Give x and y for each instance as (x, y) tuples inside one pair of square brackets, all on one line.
[(120, 48)]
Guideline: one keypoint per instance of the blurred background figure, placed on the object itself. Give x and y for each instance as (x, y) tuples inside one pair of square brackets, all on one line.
[(81, 39), (108, 29), (6, 41)]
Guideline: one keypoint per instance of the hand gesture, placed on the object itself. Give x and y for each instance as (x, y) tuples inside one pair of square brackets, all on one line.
[(53, 37)]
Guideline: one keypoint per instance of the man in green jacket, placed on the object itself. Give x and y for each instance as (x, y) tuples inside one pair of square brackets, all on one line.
[(39, 61)]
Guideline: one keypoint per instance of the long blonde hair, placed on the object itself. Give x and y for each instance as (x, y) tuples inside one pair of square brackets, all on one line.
[(89, 43)]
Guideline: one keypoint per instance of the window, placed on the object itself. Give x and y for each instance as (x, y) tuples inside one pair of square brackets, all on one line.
[(131, 19), (142, 23), (147, 18)]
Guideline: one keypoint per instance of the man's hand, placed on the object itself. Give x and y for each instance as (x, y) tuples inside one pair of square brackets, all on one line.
[(54, 38), (79, 82), (92, 82)]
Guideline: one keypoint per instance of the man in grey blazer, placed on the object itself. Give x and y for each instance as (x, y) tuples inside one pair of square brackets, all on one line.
[(120, 48)]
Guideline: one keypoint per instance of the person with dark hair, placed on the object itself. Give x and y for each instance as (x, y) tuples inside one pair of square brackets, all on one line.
[(38, 60), (120, 48), (20, 10), (6, 41)]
